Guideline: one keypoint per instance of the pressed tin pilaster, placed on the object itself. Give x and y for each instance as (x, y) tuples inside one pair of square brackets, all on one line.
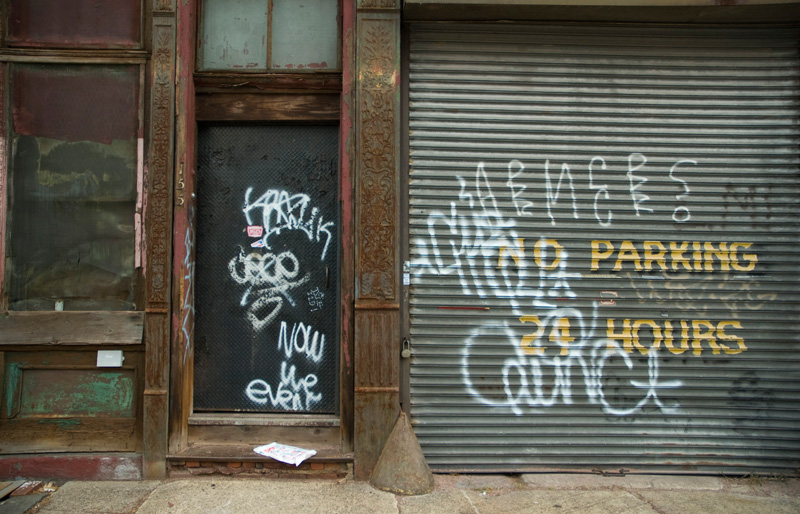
[(377, 311), (378, 131), (158, 239), (379, 4)]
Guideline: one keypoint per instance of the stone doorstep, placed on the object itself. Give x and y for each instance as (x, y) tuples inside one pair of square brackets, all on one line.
[(323, 471), (245, 454), (244, 466), (242, 460)]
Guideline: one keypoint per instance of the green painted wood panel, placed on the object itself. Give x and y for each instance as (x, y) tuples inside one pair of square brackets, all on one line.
[(75, 393)]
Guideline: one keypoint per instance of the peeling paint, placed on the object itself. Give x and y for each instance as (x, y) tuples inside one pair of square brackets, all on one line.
[(346, 192), (138, 250), (70, 467), (58, 393), (63, 424)]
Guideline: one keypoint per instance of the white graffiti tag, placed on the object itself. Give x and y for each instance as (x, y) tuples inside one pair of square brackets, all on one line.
[(301, 341), (315, 299), (283, 211), (270, 278), (291, 393), (187, 327), (477, 243)]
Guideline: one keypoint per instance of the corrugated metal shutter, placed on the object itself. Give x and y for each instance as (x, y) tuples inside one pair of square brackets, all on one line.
[(603, 238)]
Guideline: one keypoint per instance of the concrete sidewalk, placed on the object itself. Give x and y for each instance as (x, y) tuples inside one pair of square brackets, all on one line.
[(484, 494)]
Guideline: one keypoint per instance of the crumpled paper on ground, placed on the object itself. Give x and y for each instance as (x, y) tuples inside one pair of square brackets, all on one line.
[(285, 453)]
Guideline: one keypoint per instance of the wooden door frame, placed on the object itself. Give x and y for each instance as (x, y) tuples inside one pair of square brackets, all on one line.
[(300, 97)]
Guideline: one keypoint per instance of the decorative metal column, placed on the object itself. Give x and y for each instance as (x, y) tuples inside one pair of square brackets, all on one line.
[(377, 310), (158, 223)]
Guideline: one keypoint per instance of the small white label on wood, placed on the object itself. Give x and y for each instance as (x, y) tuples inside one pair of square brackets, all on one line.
[(109, 358)]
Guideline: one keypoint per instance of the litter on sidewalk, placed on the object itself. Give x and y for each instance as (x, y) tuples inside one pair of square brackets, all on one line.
[(285, 453)]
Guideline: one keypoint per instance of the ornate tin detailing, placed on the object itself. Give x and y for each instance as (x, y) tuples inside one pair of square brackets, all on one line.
[(164, 5), (378, 4), (158, 199), (377, 158)]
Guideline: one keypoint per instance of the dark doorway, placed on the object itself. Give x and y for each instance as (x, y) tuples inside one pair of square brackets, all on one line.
[(267, 276)]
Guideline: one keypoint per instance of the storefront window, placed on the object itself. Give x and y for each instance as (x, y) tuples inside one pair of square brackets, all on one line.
[(72, 187), (269, 35), (86, 23)]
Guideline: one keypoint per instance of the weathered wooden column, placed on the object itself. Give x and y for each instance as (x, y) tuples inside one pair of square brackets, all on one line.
[(377, 309), (158, 223)]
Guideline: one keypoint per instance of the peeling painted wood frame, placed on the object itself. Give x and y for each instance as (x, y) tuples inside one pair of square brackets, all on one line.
[(182, 339), (10, 56), (59, 417), (285, 97), (71, 328)]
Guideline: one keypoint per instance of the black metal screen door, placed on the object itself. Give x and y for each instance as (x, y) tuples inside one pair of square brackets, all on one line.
[(267, 280)]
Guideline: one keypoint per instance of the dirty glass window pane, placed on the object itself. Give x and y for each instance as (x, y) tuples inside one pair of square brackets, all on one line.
[(305, 34), (87, 23), (233, 35), (73, 187)]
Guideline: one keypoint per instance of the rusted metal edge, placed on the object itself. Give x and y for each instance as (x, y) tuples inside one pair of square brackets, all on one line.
[(10, 487), (375, 389), (377, 306)]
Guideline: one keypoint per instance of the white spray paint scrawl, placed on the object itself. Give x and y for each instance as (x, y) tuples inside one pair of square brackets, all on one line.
[(482, 241), (292, 393), (272, 279), (283, 211)]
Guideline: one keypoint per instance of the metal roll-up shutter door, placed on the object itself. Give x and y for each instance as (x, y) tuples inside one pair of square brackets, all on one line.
[(604, 248)]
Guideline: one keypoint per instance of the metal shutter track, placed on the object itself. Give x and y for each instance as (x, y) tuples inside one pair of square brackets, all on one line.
[(512, 368)]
